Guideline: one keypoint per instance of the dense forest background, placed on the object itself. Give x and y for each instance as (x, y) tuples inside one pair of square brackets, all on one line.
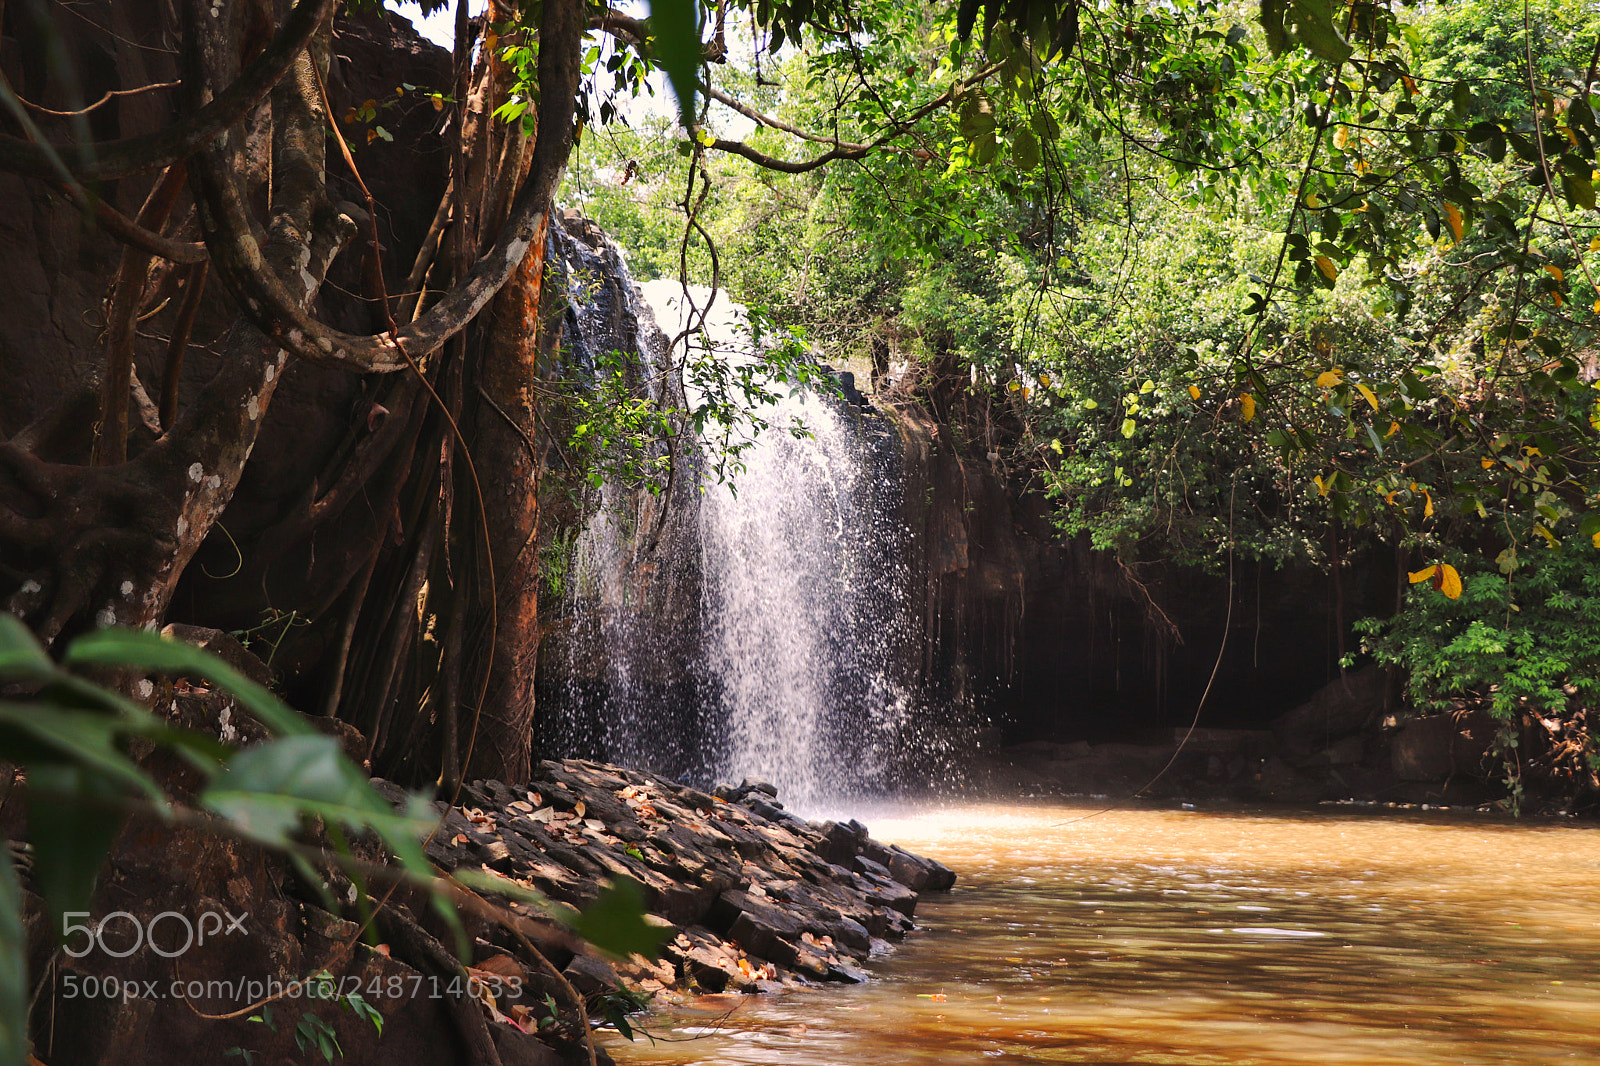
[(1218, 301)]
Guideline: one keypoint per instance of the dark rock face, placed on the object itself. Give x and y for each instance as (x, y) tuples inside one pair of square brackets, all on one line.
[(1048, 640), (756, 898), (1344, 743), (1432, 749), (147, 1007), (1340, 708)]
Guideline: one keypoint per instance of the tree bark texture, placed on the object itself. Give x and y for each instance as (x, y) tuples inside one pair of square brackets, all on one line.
[(343, 532)]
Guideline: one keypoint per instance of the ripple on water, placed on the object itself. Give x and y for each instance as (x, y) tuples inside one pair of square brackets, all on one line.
[(1424, 941)]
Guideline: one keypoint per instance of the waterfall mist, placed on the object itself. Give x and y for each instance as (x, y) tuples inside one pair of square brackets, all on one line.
[(755, 626)]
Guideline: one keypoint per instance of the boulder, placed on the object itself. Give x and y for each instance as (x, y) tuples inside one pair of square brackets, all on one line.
[(1434, 748), (1340, 707)]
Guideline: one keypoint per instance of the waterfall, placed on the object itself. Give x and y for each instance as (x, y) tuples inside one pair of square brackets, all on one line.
[(803, 587), (758, 626)]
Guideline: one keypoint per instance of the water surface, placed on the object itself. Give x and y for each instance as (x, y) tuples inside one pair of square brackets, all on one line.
[(1201, 938)]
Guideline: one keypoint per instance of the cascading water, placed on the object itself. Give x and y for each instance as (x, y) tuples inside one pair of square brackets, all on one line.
[(756, 627), (804, 592)]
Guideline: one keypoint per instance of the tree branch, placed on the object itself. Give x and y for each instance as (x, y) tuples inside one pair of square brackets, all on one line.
[(841, 149)]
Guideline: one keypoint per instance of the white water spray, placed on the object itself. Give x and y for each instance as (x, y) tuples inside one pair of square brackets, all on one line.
[(802, 621)]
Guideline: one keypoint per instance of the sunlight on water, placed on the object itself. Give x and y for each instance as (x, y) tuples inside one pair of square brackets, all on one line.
[(1206, 938)]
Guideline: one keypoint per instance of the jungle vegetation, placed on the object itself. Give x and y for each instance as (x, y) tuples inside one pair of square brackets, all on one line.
[(1290, 279), (1293, 282)]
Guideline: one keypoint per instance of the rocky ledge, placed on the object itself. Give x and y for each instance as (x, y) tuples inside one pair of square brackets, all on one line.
[(756, 899)]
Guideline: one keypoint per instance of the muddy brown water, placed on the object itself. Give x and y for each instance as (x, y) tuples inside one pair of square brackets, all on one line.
[(1201, 938)]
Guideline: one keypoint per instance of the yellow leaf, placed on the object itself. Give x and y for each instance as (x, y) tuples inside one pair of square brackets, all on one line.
[(1394, 427), (1597, 307), (1486, 462), (1556, 296), (1420, 576), (1427, 508), (1341, 137), (1596, 539), (1313, 201), (1329, 378), (1544, 532), (1044, 379), (1247, 407), (1325, 265), (1390, 498), (1554, 271), (1194, 392), (1322, 486), (1594, 244), (1449, 582), (438, 101), (1368, 395), (1014, 386), (1410, 84), (1452, 215)]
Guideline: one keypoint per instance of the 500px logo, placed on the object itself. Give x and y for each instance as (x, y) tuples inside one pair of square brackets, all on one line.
[(179, 933)]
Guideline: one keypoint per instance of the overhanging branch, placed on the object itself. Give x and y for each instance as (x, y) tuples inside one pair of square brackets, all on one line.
[(840, 149), (264, 298)]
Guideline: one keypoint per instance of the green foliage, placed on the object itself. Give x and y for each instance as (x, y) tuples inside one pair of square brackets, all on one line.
[(13, 965), (1523, 644), (73, 738), (1528, 641), (676, 26), (313, 1032), (615, 923), (1273, 276), (617, 430)]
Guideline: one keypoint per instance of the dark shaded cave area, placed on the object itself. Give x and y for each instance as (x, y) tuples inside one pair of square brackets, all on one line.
[(1083, 666)]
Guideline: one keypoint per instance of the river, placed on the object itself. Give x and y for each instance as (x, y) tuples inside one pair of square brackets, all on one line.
[(1204, 938)]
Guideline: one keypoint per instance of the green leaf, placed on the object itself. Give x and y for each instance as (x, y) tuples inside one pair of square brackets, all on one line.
[(13, 967), (136, 649), (1309, 23), (1024, 149), (22, 657), (675, 31), (1578, 190), (975, 116), (266, 789), (44, 733), (72, 821), (615, 923)]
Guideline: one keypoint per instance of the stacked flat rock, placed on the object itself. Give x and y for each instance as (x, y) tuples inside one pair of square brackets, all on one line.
[(756, 897)]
